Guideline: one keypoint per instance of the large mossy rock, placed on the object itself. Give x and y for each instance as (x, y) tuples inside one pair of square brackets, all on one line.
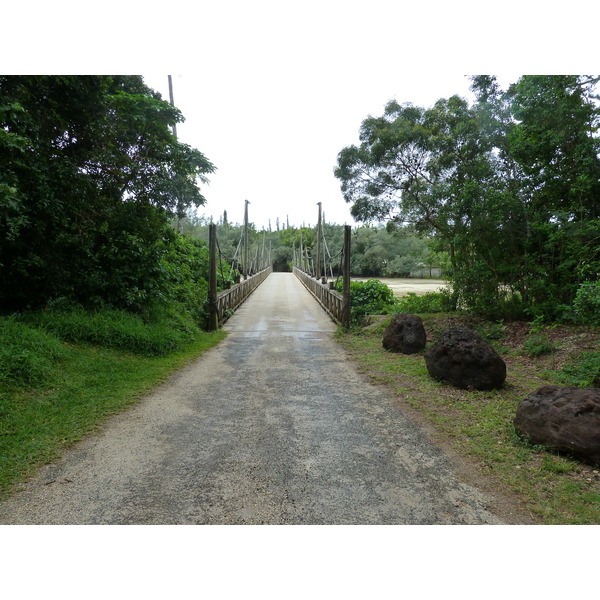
[(405, 334), (562, 418), (464, 359)]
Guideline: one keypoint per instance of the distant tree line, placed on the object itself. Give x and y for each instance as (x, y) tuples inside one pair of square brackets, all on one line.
[(377, 251)]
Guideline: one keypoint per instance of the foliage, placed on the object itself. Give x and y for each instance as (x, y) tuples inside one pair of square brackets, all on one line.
[(165, 331), (185, 269), (91, 173), (507, 186), (586, 305), (28, 356), (583, 372), (536, 342), (432, 302), (368, 298)]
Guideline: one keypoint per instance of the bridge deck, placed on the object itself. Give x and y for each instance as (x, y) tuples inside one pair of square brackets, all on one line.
[(272, 426)]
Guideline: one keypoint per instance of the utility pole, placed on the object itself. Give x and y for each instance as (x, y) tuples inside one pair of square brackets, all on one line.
[(172, 103), (246, 240), (180, 220)]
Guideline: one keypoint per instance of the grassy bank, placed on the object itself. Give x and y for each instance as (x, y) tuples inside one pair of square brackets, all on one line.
[(552, 488), (60, 379)]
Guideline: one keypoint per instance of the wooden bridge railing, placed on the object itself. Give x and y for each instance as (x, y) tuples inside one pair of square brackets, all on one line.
[(336, 305), (330, 300), (229, 300)]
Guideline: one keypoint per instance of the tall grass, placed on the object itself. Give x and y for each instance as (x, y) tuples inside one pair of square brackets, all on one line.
[(156, 335), (27, 355)]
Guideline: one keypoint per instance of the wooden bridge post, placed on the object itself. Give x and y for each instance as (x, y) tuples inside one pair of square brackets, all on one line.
[(346, 276), (213, 317), (318, 252)]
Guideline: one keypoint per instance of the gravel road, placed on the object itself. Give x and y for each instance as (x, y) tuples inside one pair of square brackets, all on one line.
[(272, 426)]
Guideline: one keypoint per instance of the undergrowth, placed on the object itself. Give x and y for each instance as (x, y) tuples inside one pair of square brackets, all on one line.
[(156, 333), (27, 355)]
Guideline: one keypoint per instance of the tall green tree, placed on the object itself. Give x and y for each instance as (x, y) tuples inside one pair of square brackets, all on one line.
[(508, 186), (91, 173), (545, 130)]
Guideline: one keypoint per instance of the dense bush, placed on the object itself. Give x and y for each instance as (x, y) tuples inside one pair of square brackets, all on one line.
[(185, 270), (587, 303), (368, 298), (432, 302), (91, 174)]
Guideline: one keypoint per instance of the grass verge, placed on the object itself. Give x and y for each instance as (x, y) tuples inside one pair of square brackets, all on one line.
[(552, 488), (84, 386)]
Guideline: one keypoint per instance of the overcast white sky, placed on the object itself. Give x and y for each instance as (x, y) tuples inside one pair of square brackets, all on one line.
[(275, 140)]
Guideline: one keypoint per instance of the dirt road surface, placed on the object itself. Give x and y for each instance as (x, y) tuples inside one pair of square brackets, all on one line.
[(272, 426)]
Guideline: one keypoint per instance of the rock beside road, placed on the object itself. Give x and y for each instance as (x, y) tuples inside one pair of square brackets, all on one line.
[(405, 334), (467, 361), (563, 418)]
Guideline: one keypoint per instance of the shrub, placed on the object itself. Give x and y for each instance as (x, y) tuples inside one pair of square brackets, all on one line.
[(186, 268), (369, 298), (432, 302), (587, 303)]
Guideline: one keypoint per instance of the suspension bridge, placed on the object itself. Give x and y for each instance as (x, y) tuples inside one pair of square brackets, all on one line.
[(272, 426), (311, 270)]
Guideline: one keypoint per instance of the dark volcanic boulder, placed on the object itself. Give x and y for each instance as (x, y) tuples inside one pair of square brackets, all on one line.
[(562, 418), (465, 360), (405, 334)]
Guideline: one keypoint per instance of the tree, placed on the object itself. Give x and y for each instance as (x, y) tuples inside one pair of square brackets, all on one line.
[(545, 131), (508, 186), (91, 174), (429, 168)]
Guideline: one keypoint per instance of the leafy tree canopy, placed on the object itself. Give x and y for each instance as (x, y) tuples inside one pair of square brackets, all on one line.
[(90, 174), (509, 186)]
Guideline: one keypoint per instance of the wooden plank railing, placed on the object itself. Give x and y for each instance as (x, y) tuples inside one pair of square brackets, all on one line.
[(229, 300), (330, 300)]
